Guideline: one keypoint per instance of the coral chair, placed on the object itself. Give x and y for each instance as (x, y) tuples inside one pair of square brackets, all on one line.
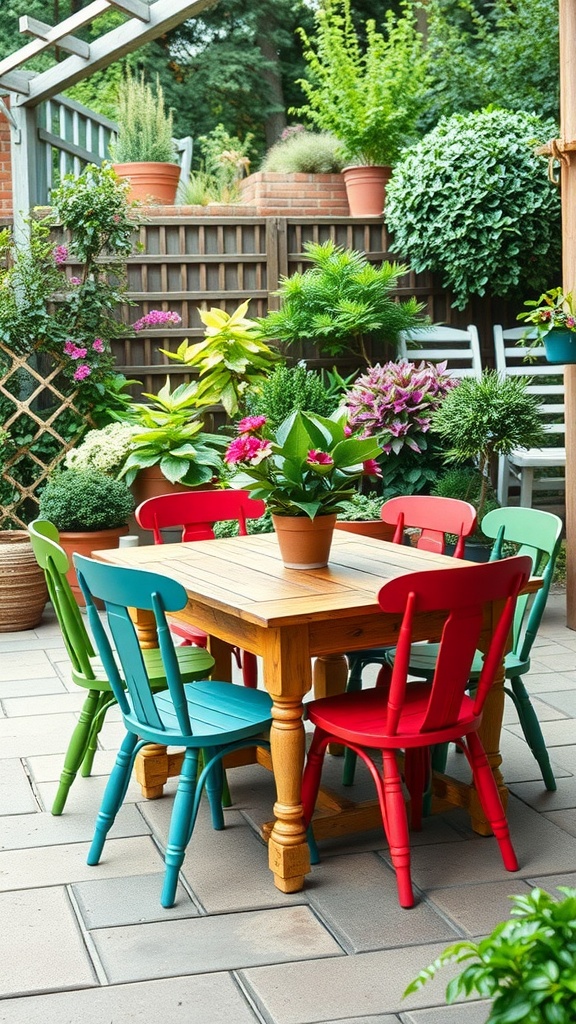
[(435, 517), (87, 669), (196, 512), (537, 534), (213, 717), (415, 717)]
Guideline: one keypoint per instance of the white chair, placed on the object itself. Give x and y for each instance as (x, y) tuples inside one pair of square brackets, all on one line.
[(547, 383), (458, 347)]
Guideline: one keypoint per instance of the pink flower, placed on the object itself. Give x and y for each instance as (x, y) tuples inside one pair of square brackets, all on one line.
[(247, 448), (347, 430), (371, 468), (570, 322), (74, 280), (250, 424), (319, 458), (69, 347), (78, 353), (82, 372), (156, 318), (98, 345), (60, 254)]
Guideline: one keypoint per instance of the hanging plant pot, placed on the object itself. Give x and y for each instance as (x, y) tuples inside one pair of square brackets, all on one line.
[(151, 181), (366, 189), (560, 346), (304, 543), (23, 591)]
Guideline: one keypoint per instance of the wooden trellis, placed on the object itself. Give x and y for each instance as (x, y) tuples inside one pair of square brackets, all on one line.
[(34, 406)]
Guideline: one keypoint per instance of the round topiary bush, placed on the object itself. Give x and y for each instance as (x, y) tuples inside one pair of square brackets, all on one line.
[(473, 202), (78, 501)]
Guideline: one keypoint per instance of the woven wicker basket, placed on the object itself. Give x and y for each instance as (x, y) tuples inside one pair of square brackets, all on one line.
[(23, 592)]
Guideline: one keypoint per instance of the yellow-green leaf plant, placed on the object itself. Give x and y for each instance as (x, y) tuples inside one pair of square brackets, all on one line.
[(230, 360)]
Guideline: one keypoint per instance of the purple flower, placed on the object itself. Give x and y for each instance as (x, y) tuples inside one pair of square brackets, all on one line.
[(156, 318), (98, 345), (74, 280), (60, 254), (82, 372)]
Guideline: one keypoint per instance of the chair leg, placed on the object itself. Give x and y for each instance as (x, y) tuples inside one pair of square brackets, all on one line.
[(312, 773), (531, 729), (395, 822), (352, 686), (103, 704), (181, 826), (76, 749), (213, 786), (417, 775), (490, 799), (249, 669), (114, 794)]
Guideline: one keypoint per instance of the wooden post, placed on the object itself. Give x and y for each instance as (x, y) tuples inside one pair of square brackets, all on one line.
[(567, 10)]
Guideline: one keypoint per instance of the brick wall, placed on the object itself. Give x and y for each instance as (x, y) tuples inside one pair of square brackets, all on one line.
[(5, 170), (295, 195)]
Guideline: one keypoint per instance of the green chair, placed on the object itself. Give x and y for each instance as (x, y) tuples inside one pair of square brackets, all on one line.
[(537, 534), (87, 669)]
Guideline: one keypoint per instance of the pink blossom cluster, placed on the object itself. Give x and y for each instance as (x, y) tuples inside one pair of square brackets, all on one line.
[(247, 448), (157, 318), (60, 254), (394, 402), (78, 352)]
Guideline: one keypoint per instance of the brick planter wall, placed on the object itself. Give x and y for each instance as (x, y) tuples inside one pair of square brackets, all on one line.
[(301, 195), (5, 170)]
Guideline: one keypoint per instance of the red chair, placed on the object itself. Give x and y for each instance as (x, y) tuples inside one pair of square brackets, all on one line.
[(196, 512), (435, 517), (416, 717)]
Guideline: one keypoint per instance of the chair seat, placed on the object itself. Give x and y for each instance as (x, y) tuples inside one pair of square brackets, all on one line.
[(361, 718), (423, 659), (194, 663), (217, 711)]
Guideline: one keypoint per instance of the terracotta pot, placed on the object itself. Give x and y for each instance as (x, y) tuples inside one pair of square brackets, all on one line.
[(84, 544), (304, 543), (368, 528), (23, 591), (365, 188), (151, 482), (151, 181)]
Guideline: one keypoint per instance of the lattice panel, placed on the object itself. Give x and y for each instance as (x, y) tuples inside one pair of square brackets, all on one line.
[(43, 423)]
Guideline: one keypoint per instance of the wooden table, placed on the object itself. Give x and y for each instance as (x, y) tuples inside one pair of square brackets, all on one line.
[(241, 594)]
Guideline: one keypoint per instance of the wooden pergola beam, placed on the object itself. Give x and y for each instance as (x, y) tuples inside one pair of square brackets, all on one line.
[(40, 30), (53, 37), (164, 15)]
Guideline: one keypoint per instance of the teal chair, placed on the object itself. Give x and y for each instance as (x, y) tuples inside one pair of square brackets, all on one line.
[(211, 717), (87, 669), (537, 534)]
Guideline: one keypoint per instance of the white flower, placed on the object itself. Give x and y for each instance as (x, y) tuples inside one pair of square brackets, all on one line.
[(105, 450)]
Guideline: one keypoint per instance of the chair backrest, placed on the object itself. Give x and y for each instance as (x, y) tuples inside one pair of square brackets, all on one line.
[(462, 595), (121, 589), (434, 516), (538, 535), (52, 558), (546, 381), (197, 512), (459, 348)]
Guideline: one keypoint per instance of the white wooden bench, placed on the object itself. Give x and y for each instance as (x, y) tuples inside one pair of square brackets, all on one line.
[(547, 382), (458, 347)]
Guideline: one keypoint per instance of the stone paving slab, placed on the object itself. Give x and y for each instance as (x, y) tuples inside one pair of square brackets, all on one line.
[(208, 999), (541, 799), (25, 664), (16, 796), (36, 734), (564, 700), (477, 909), (85, 794), (29, 687), (47, 767), (219, 942), (59, 865), (559, 733), (475, 1012), (111, 902), (27, 831), (48, 704)]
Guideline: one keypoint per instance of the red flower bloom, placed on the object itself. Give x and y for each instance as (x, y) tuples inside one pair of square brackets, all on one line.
[(371, 468)]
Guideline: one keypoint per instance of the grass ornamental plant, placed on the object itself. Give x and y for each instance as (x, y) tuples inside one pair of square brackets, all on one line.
[(368, 96), (144, 125), (340, 302), (304, 152), (85, 500), (472, 202), (526, 966), (231, 358), (306, 467)]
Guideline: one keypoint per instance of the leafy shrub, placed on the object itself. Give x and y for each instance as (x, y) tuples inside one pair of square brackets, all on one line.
[(229, 528), (361, 506), (473, 202), (77, 501), (288, 388), (304, 153)]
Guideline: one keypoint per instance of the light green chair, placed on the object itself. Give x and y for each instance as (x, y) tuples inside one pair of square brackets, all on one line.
[(87, 670)]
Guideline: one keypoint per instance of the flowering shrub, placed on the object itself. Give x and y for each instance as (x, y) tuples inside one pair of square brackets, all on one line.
[(157, 318), (304, 468), (105, 450)]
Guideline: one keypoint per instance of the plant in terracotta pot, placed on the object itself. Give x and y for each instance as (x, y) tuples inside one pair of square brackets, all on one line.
[(89, 509), (303, 470), (144, 150), (553, 323), (526, 967), (368, 97)]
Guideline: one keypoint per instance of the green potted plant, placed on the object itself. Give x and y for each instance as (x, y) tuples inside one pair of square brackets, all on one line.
[(303, 470), (484, 417), (526, 966), (89, 509), (554, 317), (304, 152), (340, 302), (144, 150), (361, 514), (369, 98), (231, 358)]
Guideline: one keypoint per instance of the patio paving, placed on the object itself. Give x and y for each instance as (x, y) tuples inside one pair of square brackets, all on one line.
[(94, 945)]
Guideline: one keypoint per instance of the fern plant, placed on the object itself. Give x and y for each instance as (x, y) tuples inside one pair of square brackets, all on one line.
[(340, 302), (144, 125)]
